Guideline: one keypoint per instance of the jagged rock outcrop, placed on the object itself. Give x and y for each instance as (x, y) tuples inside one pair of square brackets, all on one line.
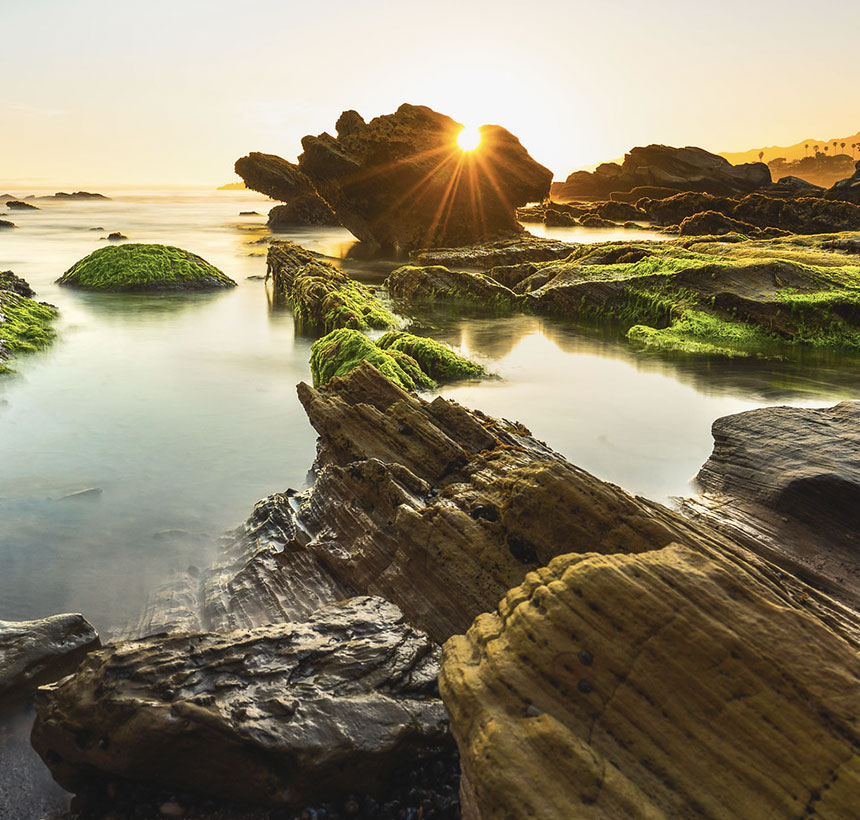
[(683, 169), (8, 281), (789, 477), (19, 205), (323, 297), (401, 181), (41, 651), (847, 190), (491, 254), (5, 223), (663, 684), (282, 714), (434, 507), (275, 177)]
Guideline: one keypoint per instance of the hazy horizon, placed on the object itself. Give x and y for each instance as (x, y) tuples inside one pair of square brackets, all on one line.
[(170, 94)]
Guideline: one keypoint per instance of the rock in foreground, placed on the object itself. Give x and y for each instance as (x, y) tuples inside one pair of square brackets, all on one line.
[(401, 181), (660, 685), (37, 652), (144, 268), (25, 325), (280, 715)]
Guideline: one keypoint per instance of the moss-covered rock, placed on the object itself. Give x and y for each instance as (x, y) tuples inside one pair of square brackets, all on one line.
[(435, 283), (322, 296), (344, 349), (436, 359), (144, 268), (25, 325)]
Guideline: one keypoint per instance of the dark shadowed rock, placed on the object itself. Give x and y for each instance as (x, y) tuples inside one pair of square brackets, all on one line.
[(275, 177), (667, 684), (5, 223), (37, 652), (847, 190), (684, 169), (281, 714), (401, 181), (714, 223), (436, 283), (18, 205), (77, 195), (491, 254), (8, 281)]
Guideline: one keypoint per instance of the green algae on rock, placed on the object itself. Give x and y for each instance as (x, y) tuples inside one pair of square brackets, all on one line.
[(323, 297), (144, 268), (436, 283), (25, 326), (344, 349), (436, 359)]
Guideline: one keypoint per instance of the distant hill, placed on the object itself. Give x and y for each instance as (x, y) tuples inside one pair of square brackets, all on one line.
[(790, 153), (233, 186)]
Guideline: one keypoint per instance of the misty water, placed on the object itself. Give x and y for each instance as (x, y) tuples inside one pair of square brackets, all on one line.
[(181, 411)]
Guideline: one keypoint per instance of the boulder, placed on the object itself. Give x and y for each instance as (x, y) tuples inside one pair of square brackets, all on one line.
[(684, 169), (275, 177), (714, 223), (25, 325), (36, 652), (401, 181), (790, 478), (18, 205), (144, 268), (436, 283), (5, 223), (323, 297), (657, 685), (116, 236), (280, 715), (847, 190)]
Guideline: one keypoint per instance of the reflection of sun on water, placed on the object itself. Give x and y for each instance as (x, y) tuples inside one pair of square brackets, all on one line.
[(469, 138)]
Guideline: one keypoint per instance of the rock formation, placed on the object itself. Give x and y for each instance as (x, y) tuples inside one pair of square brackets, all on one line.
[(491, 254), (663, 684), (37, 652), (789, 478), (25, 325), (18, 205), (847, 190), (679, 169), (144, 268), (282, 714), (401, 182), (282, 180), (323, 297)]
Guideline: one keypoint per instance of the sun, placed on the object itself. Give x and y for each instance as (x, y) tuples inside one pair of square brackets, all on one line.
[(469, 138)]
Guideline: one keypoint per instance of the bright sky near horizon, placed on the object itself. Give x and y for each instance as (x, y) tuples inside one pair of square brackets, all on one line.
[(171, 92)]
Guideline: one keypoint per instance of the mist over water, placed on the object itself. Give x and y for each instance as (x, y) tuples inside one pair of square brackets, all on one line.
[(181, 409)]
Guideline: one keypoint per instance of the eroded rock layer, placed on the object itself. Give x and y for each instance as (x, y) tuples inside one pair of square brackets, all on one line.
[(665, 684), (283, 714)]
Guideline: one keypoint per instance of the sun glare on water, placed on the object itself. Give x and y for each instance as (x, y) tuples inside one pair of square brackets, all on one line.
[(469, 138)]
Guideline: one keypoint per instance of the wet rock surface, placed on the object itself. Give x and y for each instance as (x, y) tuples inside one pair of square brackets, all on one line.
[(491, 254), (41, 651), (275, 177), (401, 181), (282, 715), (663, 684), (789, 477), (8, 281), (684, 169)]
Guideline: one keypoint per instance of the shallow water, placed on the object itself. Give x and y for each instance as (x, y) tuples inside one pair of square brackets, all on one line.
[(181, 410)]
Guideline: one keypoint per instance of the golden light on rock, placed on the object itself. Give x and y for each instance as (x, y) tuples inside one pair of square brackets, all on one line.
[(469, 138)]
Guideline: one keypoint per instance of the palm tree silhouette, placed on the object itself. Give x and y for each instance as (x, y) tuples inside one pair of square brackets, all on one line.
[(807, 148), (842, 146)]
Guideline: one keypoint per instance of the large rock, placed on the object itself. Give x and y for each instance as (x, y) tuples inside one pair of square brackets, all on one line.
[(25, 325), (427, 504), (138, 268), (502, 252), (847, 190), (37, 652), (662, 685), (683, 169), (275, 177), (789, 478), (401, 181), (283, 714)]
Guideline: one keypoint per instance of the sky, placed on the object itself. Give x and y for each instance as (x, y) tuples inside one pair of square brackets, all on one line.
[(99, 93)]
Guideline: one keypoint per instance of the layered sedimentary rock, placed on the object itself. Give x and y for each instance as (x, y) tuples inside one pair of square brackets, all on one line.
[(275, 177), (322, 296), (283, 714), (681, 169), (401, 181), (37, 652), (789, 478), (664, 684)]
